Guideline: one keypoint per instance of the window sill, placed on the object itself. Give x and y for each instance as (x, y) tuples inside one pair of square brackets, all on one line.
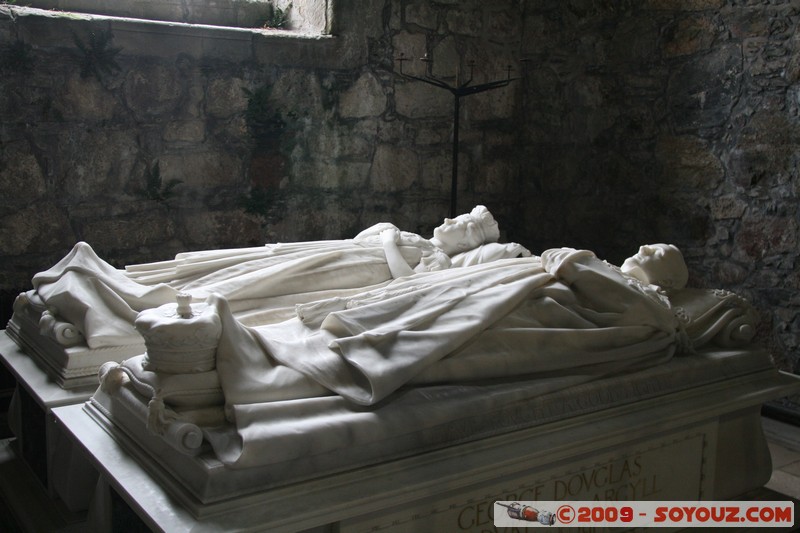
[(15, 12), (48, 28)]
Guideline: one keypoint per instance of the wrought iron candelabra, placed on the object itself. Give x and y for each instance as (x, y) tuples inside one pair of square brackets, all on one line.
[(459, 91)]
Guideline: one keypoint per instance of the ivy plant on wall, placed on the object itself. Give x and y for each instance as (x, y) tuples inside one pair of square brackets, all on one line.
[(17, 57), (263, 121), (155, 189), (98, 57), (278, 18), (268, 130)]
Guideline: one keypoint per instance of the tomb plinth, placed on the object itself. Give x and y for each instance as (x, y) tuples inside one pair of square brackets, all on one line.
[(39, 440), (686, 430), (58, 348), (406, 400)]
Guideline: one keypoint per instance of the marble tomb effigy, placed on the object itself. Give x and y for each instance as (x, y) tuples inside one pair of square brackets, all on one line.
[(238, 389), (80, 312)]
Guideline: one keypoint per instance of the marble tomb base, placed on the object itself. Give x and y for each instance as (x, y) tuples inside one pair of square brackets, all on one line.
[(39, 440), (70, 363), (685, 430)]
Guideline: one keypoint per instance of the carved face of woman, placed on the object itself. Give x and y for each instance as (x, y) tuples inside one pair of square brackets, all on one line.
[(457, 235), (658, 264)]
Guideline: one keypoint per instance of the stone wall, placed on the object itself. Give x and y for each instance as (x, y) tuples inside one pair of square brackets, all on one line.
[(671, 121), (147, 139), (637, 121)]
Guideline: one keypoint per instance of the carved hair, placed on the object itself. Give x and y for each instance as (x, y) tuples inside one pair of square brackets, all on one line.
[(485, 224), (679, 273)]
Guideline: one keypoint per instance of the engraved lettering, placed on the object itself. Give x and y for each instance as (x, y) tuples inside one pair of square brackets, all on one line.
[(483, 513), (466, 522)]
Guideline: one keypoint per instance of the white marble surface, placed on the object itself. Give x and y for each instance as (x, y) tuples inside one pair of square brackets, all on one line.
[(723, 411), (119, 470), (44, 389), (63, 471), (390, 375), (327, 435), (697, 426), (70, 367), (81, 311)]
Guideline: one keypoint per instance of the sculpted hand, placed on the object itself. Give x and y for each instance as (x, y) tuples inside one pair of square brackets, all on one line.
[(390, 235), (394, 259)]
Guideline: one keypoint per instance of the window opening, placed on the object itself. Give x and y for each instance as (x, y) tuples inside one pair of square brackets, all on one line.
[(301, 16)]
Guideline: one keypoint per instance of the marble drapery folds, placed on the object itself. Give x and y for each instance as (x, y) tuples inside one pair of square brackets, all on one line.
[(337, 359)]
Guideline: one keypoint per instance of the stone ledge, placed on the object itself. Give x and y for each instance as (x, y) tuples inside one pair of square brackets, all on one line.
[(240, 13), (197, 40), (14, 12)]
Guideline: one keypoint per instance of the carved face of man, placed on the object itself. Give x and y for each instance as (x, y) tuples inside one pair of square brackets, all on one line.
[(457, 235), (658, 264)]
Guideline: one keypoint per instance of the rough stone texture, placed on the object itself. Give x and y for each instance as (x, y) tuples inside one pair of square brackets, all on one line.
[(225, 97), (139, 230), (21, 179), (410, 47), (418, 100), (690, 138), (393, 167), (446, 60), (689, 35), (364, 99), (688, 162), (33, 228), (153, 90), (85, 100), (189, 131), (422, 15), (634, 121), (702, 91), (229, 225)]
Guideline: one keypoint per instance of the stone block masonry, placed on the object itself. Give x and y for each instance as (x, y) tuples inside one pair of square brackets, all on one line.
[(634, 122)]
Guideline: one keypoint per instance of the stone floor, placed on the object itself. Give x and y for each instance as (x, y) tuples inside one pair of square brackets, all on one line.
[(784, 444), (25, 506)]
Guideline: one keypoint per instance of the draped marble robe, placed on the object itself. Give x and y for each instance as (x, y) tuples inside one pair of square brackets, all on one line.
[(262, 284), (566, 309), (352, 369), (422, 352)]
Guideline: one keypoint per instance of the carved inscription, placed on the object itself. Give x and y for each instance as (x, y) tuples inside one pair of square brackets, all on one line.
[(662, 470), (616, 480)]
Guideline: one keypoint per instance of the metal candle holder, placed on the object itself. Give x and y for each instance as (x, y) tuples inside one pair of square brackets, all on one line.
[(458, 91)]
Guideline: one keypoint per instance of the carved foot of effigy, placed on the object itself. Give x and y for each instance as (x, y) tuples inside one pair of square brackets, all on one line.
[(50, 324)]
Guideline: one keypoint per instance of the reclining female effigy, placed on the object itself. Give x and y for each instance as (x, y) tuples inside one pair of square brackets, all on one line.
[(80, 312)]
